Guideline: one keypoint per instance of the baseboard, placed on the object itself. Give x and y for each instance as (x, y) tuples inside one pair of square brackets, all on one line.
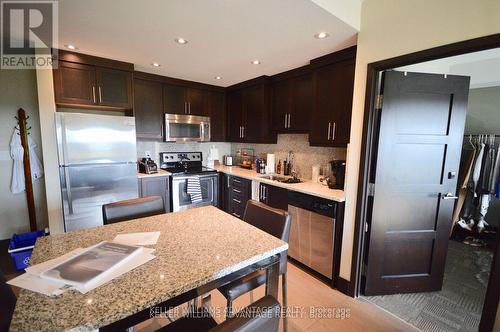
[(343, 286)]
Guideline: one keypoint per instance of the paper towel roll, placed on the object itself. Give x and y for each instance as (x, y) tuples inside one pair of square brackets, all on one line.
[(315, 173), (271, 163)]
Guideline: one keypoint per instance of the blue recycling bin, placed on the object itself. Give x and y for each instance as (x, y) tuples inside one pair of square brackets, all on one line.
[(21, 248)]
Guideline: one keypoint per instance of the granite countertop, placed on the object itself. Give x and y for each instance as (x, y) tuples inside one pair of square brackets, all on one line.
[(161, 172), (306, 187), (195, 247)]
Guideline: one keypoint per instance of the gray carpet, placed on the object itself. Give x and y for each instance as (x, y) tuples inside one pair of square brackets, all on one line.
[(458, 306)]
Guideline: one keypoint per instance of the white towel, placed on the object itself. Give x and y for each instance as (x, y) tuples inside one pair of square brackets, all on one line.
[(18, 184), (193, 189)]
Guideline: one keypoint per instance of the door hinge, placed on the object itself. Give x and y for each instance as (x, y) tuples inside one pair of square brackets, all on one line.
[(371, 189), (379, 100)]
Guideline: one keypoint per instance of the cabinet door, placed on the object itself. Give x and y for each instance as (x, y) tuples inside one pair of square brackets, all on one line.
[(281, 105), (75, 84), (217, 112), (235, 116), (156, 186), (174, 101), (301, 103), (321, 122), (114, 87), (257, 116), (196, 102), (148, 108), (344, 85), (275, 197)]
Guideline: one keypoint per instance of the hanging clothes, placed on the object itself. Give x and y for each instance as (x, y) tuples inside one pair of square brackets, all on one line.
[(466, 165), (477, 166), (495, 174), (18, 184)]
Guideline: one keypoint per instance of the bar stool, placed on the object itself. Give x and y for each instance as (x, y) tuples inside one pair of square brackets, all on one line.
[(132, 209)]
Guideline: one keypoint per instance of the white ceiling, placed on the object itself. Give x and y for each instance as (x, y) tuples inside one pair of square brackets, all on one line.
[(224, 35), (483, 67)]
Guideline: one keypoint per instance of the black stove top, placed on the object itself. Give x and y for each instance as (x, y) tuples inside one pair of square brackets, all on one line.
[(182, 163)]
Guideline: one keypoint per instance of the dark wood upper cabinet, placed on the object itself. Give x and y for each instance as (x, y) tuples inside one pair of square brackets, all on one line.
[(249, 112), (215, 104), (114, 87), (331, 117), (292, 104), (196, 102), (148, 109), (75, 84), (174, 101), (85, 81)]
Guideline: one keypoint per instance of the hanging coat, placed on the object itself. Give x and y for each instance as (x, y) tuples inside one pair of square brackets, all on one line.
[(18, 184)]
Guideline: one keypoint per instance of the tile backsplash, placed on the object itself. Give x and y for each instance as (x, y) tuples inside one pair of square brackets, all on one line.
[(305, 156), (154, 148)]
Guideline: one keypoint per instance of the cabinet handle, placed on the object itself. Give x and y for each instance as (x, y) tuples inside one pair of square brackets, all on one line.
[(285, 120), (329, 128), (237, 191), (237, 200), (237, 181), (243, 131), (100, 94), (185, 107), (189, 107), (333, 131), (289, 119), (93, 94), (236, 215)]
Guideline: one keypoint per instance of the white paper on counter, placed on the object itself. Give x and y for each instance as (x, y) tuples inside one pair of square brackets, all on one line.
[(39, 268), (138, 239), (36, 284), (141, 258)]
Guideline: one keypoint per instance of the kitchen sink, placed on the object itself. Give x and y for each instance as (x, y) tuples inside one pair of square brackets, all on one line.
[(282, 179)]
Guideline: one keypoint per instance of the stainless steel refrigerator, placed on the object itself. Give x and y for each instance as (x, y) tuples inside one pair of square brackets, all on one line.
[(97, 165)]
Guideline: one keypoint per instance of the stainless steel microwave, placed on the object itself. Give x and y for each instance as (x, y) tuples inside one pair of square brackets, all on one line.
[(186, 128)]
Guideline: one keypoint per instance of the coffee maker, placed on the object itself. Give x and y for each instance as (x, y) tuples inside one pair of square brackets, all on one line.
[(338, 174)]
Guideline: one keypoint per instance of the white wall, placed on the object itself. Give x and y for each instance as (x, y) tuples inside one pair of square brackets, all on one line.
[(393, 27), (18, 90)]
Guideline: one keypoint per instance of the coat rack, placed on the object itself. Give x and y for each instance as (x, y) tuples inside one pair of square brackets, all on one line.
[(23, 132)]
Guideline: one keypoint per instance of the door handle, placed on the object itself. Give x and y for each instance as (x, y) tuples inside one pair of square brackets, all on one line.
[(289, 119), (449, 196), (100, 94), (329, 128)]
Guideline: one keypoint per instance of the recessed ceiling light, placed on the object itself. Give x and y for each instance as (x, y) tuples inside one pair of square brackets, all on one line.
[(155, 64), (71, 47), (255, 62), (321, 35), (218, 77), (181, 40)]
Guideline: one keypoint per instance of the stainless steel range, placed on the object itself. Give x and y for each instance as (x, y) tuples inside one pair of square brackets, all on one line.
[(185, 166)]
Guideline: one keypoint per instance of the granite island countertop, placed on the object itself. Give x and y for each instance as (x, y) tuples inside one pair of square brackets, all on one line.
[(306, 187), (195, 247)]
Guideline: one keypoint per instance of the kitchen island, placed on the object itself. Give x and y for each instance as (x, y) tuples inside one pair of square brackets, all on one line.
[(198, 250)]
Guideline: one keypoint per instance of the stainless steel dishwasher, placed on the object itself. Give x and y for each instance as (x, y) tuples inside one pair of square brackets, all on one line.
[(312, 233)]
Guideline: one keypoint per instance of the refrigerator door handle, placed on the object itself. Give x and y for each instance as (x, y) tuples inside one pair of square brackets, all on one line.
[(68, 191)]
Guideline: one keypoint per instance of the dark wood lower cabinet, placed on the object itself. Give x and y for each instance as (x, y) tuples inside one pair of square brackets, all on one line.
[(275, 197), (237, 191), (156, 186)]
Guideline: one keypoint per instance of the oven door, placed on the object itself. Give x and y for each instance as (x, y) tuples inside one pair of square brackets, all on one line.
[(209, 192), (186, 128)]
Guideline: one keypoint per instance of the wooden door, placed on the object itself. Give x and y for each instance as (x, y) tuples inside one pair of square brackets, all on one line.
[(421, 132), (320, 128), (257, 116), (343, 82), (156, 186), (174, 101), (217, 112), (234, 116), (275, 197), (196, 102), (148, 108), (114, 88), (301, 103), (281, 105), (74, 84)]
